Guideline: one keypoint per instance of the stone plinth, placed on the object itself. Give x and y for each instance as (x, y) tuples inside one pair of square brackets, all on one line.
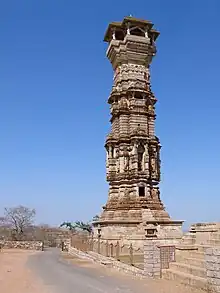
[(128, 232)]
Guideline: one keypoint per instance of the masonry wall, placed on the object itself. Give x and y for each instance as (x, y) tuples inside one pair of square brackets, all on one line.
[(108, 261), (30, 245), (212, 258)]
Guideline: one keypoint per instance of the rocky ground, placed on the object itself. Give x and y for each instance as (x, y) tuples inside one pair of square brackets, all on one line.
[(49, 272)]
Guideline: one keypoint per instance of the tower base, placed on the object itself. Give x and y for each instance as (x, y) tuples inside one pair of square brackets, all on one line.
[(132, 231)]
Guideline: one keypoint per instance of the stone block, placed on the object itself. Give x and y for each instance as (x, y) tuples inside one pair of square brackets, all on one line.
[(149, 274), (212, 266), (214, 289), (209, 251), (214, 281), (30, 245), (213, 274), (148, 248), (216, 251), (150, 261), (212, 259), (148, 265)]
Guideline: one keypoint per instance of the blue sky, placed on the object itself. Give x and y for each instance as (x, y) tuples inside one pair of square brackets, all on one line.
[(54, 83)]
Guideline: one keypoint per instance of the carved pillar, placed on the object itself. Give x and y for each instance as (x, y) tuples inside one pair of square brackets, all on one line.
[(153, 162), (117, 161), (107, 162), (146, 158), (110, 152), (121, 162)]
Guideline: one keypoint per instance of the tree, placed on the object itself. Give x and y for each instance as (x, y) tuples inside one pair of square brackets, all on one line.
[(83, 226), (95, 218), (68, 225), (19, 219)]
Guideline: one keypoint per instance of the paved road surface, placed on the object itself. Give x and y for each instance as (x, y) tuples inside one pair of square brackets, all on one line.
[(63, 277)]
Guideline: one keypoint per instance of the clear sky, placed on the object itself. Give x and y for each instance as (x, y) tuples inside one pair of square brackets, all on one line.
[(54, 83)]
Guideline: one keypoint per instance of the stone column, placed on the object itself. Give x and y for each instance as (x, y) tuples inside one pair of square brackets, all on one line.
[(152, 268), (212, 264)]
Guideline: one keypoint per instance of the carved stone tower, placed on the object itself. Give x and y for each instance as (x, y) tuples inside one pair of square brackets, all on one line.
[(132, 148)]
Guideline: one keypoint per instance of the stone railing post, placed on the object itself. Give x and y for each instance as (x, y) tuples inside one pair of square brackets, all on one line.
[(212, 264), (99, 238), (117, 252), (152, 267)]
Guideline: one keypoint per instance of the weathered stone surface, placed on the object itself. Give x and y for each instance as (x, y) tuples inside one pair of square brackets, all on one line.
[(132, 148), (212, 259), (108, 260), (152, 266), (213, 274), (31, 245), (214, 281), (213, 266)]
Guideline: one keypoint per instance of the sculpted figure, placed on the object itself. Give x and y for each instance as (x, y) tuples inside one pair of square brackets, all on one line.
[(117, 161), (150, 108), (153, 161), (154, 192), (126, 159), (126, 193)]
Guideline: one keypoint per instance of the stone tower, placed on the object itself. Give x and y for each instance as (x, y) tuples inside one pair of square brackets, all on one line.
[(132, 148)]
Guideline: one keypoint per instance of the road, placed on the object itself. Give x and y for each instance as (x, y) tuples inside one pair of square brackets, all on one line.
[(64, 277)]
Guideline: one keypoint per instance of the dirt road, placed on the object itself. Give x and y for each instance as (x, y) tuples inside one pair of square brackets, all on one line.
[(48, 272)]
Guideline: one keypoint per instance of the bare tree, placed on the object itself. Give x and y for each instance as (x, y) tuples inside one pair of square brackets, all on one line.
[(19, 219)]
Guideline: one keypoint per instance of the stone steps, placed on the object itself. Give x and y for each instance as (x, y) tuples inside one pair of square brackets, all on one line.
[(185, 278), (193, 261), (188, 269)]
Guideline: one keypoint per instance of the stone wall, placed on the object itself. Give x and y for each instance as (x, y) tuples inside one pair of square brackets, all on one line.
[(54, 237), (108, 261), (212, 258), (31, 245)]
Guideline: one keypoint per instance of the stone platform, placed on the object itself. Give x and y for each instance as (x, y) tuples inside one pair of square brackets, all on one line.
[(133, 232)]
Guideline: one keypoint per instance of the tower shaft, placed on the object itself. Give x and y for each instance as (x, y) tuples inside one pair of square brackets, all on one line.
[(132, 148)]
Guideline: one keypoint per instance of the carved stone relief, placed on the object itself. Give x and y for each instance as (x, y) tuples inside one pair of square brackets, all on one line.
[(155, 193)]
